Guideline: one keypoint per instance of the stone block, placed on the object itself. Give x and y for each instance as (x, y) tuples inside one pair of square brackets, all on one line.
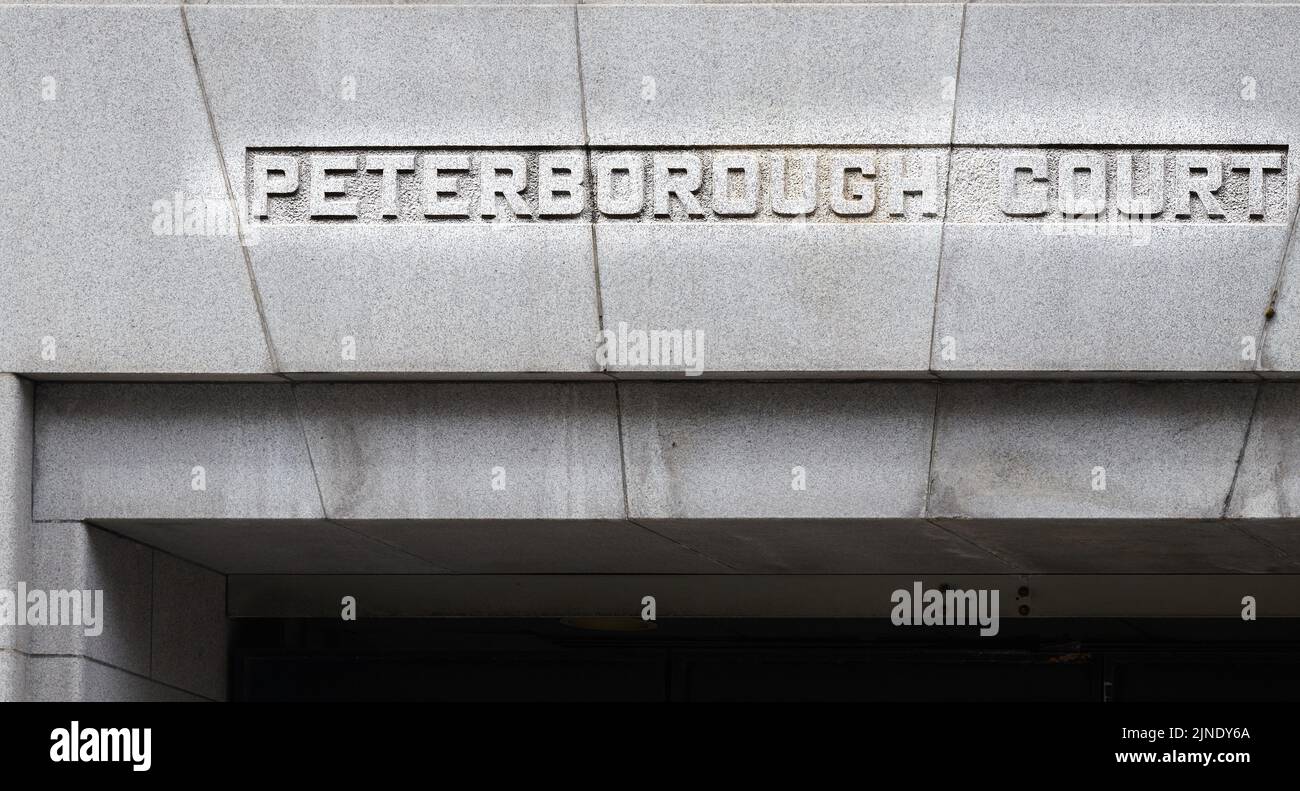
[(724, 450), (488, 300), (821, 299), (1268, 479), (1280, 357), (121, 252), (1158, 73), (465, 450), (1046, 450), (171, 451), (450, 298), (766, 74), (1039, 299), (71, 556)]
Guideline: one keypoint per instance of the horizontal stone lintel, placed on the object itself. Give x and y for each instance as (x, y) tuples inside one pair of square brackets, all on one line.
[(690, 476)]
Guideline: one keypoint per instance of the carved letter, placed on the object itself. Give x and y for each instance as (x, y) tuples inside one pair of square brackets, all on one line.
[(806, 201), (505, 175), (263, 166), (1202, 187), (389, 165), (1093, 201), (440, 190), (724, 203), (550, 185), (1155, 202), (1256, 164), (607, 201), (863, 200), (926, 185), (1010, 200), (681, 175), (322, 186)]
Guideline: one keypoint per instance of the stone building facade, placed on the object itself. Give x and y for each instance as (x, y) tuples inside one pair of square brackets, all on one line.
[(531, 309)]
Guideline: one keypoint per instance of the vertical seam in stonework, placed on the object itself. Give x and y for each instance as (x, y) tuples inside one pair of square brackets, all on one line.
[(302, 427), (320, 492), (1241, 454), (938, 266), (622, 450), (586, 158), (627, 508), (947, 195), (230, 195), (934, 443), (1281, 270)]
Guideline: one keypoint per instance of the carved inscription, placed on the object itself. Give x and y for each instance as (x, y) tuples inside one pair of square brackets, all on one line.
[(864, 185)]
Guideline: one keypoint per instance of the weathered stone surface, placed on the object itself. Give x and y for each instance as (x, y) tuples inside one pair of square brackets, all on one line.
[(106, 451), (772, 298), (189, 627), (1268, 480), (465, 451), (104, 140), (1016, 298), (1281, 352), (730, 450), (1017, 451), (699, 75)]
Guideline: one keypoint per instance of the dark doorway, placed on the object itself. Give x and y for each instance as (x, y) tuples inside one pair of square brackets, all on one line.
[(760, 660)]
